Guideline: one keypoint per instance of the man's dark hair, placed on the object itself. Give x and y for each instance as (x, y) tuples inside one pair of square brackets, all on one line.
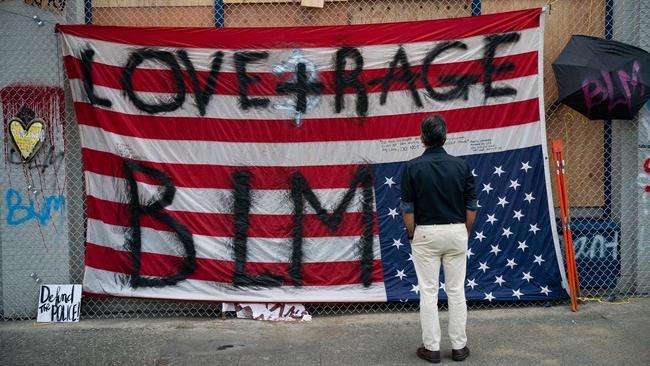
[(434, 131)]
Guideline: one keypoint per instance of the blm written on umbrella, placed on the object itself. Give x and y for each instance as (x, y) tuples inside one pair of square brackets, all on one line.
[(601, 91), (603, 79)]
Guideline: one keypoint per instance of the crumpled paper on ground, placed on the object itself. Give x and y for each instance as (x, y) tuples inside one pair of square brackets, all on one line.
[(273, 312)]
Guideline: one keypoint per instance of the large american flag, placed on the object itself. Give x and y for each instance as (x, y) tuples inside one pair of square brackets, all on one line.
[(199, 141)]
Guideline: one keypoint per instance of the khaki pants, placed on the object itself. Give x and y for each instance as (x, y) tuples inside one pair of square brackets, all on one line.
[(431, 245)]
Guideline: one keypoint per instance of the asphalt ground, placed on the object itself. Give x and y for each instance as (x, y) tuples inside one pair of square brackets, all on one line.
[(599, 334)]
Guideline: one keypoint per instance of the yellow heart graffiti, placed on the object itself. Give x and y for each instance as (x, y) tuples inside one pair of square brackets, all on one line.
[(27, 140)]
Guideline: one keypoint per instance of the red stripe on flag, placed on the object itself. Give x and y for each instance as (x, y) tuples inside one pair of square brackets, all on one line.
[(160, 265), (213, 224), (220, 176), (312, 130), (318, 36), (162, 81)]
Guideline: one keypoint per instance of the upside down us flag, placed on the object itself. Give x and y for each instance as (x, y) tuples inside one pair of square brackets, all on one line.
[(262, 165)]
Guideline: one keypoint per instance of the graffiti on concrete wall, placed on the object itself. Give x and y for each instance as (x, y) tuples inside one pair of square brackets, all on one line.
[(33, 117), (21, 210)]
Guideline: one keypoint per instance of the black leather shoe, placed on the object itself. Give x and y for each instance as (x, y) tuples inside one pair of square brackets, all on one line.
[(431, 356), (460, 354)]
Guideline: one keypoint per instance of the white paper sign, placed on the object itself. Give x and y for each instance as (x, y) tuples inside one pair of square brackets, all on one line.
[(59, 303)]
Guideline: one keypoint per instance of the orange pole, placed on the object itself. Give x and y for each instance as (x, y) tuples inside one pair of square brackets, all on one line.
[(572, 272), (567, 230), (568, 227)]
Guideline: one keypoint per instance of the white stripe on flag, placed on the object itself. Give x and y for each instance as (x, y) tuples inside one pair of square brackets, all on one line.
[(265, 250), (375, 57), (117, 284), (305, 154), (210, 200), (397, 102)]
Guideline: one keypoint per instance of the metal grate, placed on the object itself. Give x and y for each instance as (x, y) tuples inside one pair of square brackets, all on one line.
[(605, 163)]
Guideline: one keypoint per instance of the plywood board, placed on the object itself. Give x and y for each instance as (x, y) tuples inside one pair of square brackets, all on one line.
[(149, 3), (274, 1), (153, 3), (566, 18), (189, 16), (349, 12), (313, 3), (381, 11), (584, 155), (284, 15), (583, 139)]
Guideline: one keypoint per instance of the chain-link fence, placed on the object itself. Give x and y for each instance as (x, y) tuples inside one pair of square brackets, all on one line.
[(605, 159)]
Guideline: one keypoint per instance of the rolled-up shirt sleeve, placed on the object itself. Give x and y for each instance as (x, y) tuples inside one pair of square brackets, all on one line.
[(470, 191), (407, 196)]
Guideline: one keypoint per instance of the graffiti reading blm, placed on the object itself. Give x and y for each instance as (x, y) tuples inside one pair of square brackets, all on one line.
[(611, 91), (19, 212), (301, 194), (399, 71)]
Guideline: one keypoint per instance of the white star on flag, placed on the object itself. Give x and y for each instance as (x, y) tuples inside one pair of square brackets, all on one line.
[(487, 188), (400, 274), (471, 283), (480, 236), (495, 249), (389, 181), (498, 171), (514, 184), (499, 280), (488, 297), (397, 243), (469, 253), (511, 263), (483, 266), (527, 276), (539, 259), (518, 215), (517, 293), (410, 257), (491, 219), (529, 197), (392, 212), (442, 286), (416, 289), (534, 229), (474, 173), (506, 232), (478, 204), (525, 166), (545, 290), (522, 245), (502, 202)]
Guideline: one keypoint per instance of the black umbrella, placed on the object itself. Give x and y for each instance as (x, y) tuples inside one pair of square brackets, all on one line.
[(603, 79)]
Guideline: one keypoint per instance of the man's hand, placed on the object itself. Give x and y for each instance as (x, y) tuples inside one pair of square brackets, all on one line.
[(470, 217), (409, 222)]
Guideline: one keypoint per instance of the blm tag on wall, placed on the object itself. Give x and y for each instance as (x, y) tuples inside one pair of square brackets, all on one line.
[(263, 165), (59, 304)]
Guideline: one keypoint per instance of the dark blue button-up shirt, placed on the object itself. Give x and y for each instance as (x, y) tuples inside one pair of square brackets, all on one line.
[(438, 188)]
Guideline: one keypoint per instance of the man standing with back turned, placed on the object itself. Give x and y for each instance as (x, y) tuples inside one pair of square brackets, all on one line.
[(439, 205)]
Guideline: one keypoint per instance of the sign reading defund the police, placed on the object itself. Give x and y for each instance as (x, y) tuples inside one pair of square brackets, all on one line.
[(59, 303)]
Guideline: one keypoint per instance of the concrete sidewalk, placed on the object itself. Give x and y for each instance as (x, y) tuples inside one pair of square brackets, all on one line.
[(599, 334)]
